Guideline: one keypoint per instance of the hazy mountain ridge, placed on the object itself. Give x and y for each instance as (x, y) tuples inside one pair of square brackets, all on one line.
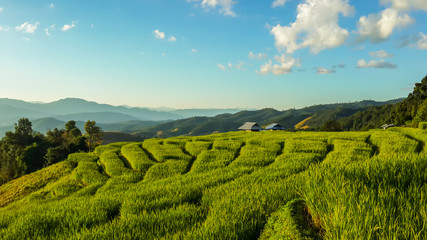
[(114, 118)]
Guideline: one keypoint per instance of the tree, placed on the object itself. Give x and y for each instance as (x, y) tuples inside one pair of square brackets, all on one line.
[(72, 129), (421, 113), (56, 137), (63, 142), (23, 135), (94, 135), (331, 126)]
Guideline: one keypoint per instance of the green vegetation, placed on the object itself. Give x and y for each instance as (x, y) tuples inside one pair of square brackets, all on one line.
[(237, 185), (24, 150), (312, 118), (409, 112)]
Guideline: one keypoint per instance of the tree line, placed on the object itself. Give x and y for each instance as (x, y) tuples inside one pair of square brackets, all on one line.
[(24, 151), (409, 112)]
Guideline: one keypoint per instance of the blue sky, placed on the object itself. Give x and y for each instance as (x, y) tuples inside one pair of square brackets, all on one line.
[(212, 53)]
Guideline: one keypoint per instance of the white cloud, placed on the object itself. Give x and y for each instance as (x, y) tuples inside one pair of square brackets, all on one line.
[(1, 9), (422, 42), (316, 27), (240, 65), (163, 54), (378, 27), (46, 30), (321, 70), (51, 6), (158, 34), (172, 39), (193, 50), (230, 65), (407, 4), (375, 64), (278, 3), (225, 6), (259, 56), (285, 65), (1, 28), (222, 67), (27, 27), (67, 27), (381, 54), (26, 39)]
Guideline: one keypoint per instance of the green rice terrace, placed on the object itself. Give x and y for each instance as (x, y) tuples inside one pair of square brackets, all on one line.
[(237, 185)]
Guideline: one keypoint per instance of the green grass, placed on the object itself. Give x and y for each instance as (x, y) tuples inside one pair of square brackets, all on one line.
[(138, 159), (237, 185)]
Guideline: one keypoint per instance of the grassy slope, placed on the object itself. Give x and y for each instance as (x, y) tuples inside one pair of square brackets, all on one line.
[(238, 185)]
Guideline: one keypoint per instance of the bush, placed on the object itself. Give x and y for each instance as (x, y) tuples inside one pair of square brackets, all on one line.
[(422, 125)]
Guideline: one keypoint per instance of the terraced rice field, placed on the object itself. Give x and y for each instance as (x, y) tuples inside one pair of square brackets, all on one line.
[(237, 185)]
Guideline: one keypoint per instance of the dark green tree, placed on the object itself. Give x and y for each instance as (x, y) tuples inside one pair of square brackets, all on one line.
[(331, 126), (72, 129), (94, 135)]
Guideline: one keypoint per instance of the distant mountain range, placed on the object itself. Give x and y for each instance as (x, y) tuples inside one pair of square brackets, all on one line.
[(147, 123), (115, 118)]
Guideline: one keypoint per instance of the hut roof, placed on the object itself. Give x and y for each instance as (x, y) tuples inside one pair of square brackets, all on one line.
[(250, 126), (274, 126)]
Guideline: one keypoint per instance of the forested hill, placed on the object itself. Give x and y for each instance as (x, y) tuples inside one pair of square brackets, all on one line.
[(289, 118), (363, 115), (409, 112)]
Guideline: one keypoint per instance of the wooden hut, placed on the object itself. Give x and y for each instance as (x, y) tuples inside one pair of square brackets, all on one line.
[(251, 127), (275, 127)]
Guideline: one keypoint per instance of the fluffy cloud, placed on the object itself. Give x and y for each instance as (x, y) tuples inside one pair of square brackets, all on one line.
[(67, 27), (194, 50), (375, 64), (381, 54), (27, 27), (51, 6), (321, 70), (422, 42), (222, 67), (161, 35), (1, 9), (1, 28), (278, 3), (158, 34), (316, 27), (285, 65), (225, 6), (378, 27), (407, 4), (258, 56)]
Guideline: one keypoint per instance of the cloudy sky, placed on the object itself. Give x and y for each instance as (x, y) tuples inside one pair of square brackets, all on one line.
[(212, 53)]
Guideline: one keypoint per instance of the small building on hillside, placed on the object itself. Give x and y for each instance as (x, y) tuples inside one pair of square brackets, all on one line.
[(275, 126), (251, 126), (385, 126)]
